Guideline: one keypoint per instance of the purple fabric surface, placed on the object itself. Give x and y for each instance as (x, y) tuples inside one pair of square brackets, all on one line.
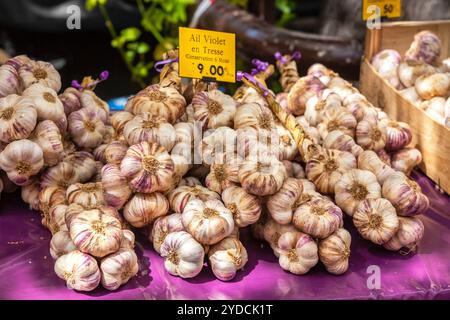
[(26, 267)]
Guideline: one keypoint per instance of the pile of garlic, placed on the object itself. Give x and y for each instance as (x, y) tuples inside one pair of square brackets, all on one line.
[(420, 75)]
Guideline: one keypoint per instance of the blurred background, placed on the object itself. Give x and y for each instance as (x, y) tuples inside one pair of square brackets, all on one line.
[(127, 36)]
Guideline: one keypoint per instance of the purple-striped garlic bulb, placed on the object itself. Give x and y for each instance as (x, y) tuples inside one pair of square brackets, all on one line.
[(128, 239), (115, 152), (334, 251), (223, 175), (435, 85), (384, 156), (406, 159), (386, 63), (323, 73), (18, 61), (70, 99), (62, 175), (245, 207), (39, 72), (166, 102), (358, 105), (213, 109), (316, 106), (83, 163), (298, 252), (146, 127), (399, 135), (148, 167), (143, 209), (88, 195), (217, 145), (55, 220), (426, 47), (86, 128), (48, 137), (326, 167), (227, 257), (189, 182), (409, 234), (319, 218), (17, 118), (287, 148), (272, 232), (179, 197), (409, 71), (89, 99), (99, 153), (115, 187), (181, 166), (162, 227), (118, 268), (369, 160), (255, 116), (342, 87), (21, 159), (119, 119), (340, 141), (61, 244), (376, 220), (30, 194), (50, 197), (304, 89), (46, 102), (9, 81), (294, 169), (96, 233), (405, 195), (371, 134), (337, 119)]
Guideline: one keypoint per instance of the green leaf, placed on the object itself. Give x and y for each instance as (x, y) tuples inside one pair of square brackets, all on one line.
[(130, 34), (142, 48), (129, 55)]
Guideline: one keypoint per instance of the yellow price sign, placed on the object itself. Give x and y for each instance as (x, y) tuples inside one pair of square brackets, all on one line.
[(386, 8), (205, 54)]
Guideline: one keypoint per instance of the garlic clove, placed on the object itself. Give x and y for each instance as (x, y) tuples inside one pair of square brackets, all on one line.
[(246, 208), (118, 268), (298, 252), (227, 257), (143, 209), (39, 72), (409, 234), (334, 251), (17, 118), (406, 159), (61, 244), (162, 227)]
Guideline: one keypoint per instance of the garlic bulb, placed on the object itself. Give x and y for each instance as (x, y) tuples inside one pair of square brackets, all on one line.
[(255, 116), (90, 100), (386, 63), (156, 100), (144, 209), (262, 177), (148, 167), (79, 270), (179, 197), (398, 135), (84, 164), (95, 233), (409, 71), (371, 134), (227, 257), (55, 219), (298, 252), (261, 143), (222, 176), (426, 47), (294, 169), (410, 232), (30, 194), (39, 72), (208, 222), (213, 109), (17, 118), (406, 159), (316, 106), (120, 119), (118, 268), (46, 102), (162, 227), (146, 127), (189, 182), (334, 251), (9, 81), (62, 175), (50, 197), (342, 87), (61, 244), (181, 167), (246, 208), (326, 168), (435, 85), (319, 218), (128, 239), (355, 186), (411, 95), (70, 99), (287, 147), (304, 89), (358, 106), (21, 159), (405, 195), (338, 140), (88, 195), (337, 119), (183, 255), (115, 152), (369, 160), (273, 231), (86, 128), (48, 137), (376, 220), (384, 156)]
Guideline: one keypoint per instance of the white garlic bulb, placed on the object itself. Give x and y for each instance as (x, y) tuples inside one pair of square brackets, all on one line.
[(337, 119), (409, 71), (40, 72), (213, 109), (371, 134), (179, 197), (46, 102), (144, 209), (355, 186), (227, 257), (410, 232), (334, 251), (298, 252), (48, 137), (223, 175), (118, 268), (376, 220), (208, 222), (245, 207), (386, 63), (79, 270), (162, 227), (183, 255), (61, 244), (338, 140), (9, 81), (17, 118), (86, 127), (88, 195), (435, 85), (115, 187)]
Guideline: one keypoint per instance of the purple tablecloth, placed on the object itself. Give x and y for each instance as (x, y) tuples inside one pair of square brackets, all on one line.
[(26, 267)]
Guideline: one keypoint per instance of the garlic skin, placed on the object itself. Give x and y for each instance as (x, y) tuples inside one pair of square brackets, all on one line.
[(316, 106), (40, 72), (9, 81), (334, 251), (118, 268), (162, 227), (156, 100), (298, 252), (246, 208), (95, 233), (409, 234), (148, 167), (255, 116), (21, 159), (181, 196), (409, 71), (70, 99), (119, 119), (99, 153), (371, 134), (84, 164), (226, 258), (405, 195), (337, 119), (326, 168), (294, 169), (426, 47), (406, 159), (319, 218), (30, 194), (90, 100), (115, 152), (262, 177), (208, 222), (222, 176), (338, 140), (398, 135), (303, 90), (183, 254), (17, 118), (386, 63), (358, 106), (369, 160), (144, 209), (355, 186), (213, 109), (48, 137), (61, 244), (62, 175), (435, 85), (79, 270), (88, 195), (115, 187), (146, 127), (376, 220), (86, 128)]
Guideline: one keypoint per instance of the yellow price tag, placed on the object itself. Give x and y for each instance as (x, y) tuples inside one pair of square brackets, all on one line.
[(386, 8), (207, 54)]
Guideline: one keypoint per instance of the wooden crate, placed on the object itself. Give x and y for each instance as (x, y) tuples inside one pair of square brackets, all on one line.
[(432, 138)]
